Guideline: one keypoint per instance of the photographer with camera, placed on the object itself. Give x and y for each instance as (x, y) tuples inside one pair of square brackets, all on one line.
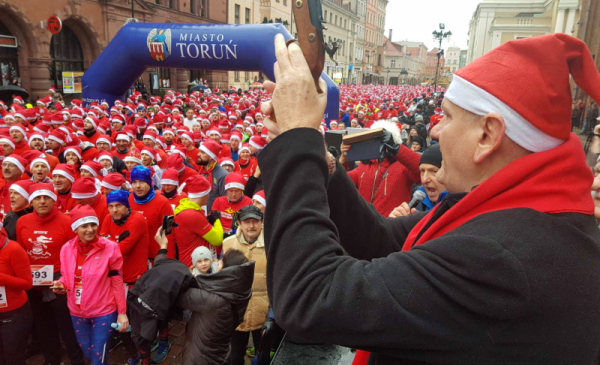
[(386, 182)]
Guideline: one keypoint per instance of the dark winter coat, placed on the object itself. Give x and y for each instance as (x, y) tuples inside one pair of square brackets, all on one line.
[(160, 286), (218, 307), (217, 185), (10, 222), (514, 286)]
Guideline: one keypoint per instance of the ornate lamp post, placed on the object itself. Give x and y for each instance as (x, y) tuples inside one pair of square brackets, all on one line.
[(440, 36)]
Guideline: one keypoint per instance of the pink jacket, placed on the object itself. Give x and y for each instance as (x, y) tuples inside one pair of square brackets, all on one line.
[(101, 294)]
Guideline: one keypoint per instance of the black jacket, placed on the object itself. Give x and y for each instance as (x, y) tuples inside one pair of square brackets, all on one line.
[(10, 222), (159, 287), (213, 320), (508, 287)]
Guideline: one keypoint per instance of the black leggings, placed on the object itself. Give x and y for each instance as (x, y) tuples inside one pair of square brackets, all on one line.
[(51, 319), (15, 326), (239, 342)]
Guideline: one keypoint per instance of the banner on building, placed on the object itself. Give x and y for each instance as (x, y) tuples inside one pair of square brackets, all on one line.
[(72, 82), (8, 41)]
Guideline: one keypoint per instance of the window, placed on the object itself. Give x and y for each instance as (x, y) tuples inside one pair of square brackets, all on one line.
[(325, 17), (378, 60), (330, 18), (247, 16), (66, 54), (336, 20), (204, 9), (393, 64), (284, 2), (236, 76), (170, 4), (193, 6), (345, 24), (247, 75), (237, 14), (164, 77), (157, 2)]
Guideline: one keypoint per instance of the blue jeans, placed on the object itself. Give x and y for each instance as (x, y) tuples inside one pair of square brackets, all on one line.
[(93, 335)]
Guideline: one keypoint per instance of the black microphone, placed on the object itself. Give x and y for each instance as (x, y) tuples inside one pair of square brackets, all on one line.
[(418, 197)]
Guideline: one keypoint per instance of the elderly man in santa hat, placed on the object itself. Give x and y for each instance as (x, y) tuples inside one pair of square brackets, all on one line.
[(503, 270), (13, 168)]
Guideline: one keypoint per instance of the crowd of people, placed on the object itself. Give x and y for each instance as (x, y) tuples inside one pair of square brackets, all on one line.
[(85, 254), (81, 182)]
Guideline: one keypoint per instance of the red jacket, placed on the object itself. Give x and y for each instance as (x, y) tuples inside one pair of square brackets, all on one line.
[(65, 202), (153, 211), (227, 209), (15, 275), (43, 238), (101, 209), (191, 226), (393, 181), (246, 170), (134, 248)]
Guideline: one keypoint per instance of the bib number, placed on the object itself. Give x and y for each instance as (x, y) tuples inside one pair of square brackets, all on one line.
[(3, 301), (78, 292), (42, 274)]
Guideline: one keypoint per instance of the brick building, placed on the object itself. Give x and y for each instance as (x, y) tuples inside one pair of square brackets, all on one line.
[(39, 57)]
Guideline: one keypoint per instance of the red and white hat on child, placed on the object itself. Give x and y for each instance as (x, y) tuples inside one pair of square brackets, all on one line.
[(197, 186), (83, 214), (530, 89)]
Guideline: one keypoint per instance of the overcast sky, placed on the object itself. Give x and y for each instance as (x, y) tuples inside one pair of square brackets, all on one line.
[(416, 20)]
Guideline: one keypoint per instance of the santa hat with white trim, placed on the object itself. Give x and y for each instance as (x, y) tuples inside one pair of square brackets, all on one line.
[(67, 170), (133, 155), (8, 140), (84, 188), (75, 150), (226, 161), (234, 181), (113, 181), (22, 187), (94, 121), (17, 160), (19, 128), (41, 189), (197, 186), (94, 168), (526, 81), (170, 177), (211, 148), (260, 197), (83, 214), (258, 142), (35, 156)]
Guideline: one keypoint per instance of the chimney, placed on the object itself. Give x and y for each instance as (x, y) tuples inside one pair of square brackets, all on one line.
[(390, 37)]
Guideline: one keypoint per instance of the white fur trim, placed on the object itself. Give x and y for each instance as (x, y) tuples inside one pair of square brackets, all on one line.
[(227, 162), (103, 139), (208, 152), (480, 102), (84, 220), (132, 159), (16, 162), (41, 192), (63, 173), (84, 195), (234, 186), (74, 151), (390, 127), (260, 199), (20, 190), (198, 195), (255, 145), (42, 160), (122, 137), (56, 139), (8, 142), (110, 186), (169, 182), (90, 170)]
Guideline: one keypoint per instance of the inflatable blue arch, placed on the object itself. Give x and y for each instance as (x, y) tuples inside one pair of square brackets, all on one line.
[(226, 47)]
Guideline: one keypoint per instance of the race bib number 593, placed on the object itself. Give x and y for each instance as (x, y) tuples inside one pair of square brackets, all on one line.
[(42, 274)]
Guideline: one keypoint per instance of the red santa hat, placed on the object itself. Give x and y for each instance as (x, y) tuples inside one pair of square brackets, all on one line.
[(117, 118), (176, 161), (41, 189), (187, 135), (226, 138), (245, 146), (258, 142), (235, 135), (92, 120), (170, 177), (83, 214), (151, 135), (169, 131), (226, 161), (133, 155), (17, 160), (260, 197), (35, 156), (211, 148), (84, 188), (94, 168), (113, 181), (19, 128), (74, 150), (531, 90), (150, 152), (103, 138), (197, 186), (105, 155), (67, 170), (59, 136), (8, 140), (22, 187), (234, 181)]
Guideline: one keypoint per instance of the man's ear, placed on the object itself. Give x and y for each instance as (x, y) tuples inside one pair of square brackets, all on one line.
[(491, 136)]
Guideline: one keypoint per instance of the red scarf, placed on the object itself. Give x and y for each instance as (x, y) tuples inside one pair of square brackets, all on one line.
[(85, 247), (553, 181)]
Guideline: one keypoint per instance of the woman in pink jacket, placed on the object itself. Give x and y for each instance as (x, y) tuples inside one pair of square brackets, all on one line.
[(91, 268)]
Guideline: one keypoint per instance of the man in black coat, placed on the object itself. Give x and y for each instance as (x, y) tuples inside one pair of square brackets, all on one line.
[(503, 271)]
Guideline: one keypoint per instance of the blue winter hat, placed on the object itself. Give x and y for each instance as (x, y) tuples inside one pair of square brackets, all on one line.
[(118, 196), (142, 173)]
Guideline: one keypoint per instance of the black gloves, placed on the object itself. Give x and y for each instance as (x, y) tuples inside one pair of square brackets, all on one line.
[(123, 236), (213, 216), (388, 148)]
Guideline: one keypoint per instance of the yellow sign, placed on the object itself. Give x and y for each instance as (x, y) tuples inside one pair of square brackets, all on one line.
[(72, 82)]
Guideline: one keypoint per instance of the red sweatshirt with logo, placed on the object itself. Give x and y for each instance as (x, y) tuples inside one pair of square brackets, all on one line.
[(15, 275), (153, 211), (227, 209)]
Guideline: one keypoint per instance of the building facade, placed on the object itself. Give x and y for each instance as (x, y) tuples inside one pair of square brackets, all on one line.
[(417, 51), (342, 20), (589, 32), (360, 7), (400, 68), (432, 63), (496, 22), (463, 58), (88, 26)]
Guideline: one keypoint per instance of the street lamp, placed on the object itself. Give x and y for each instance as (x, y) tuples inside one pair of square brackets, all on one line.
[(440, 36)]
